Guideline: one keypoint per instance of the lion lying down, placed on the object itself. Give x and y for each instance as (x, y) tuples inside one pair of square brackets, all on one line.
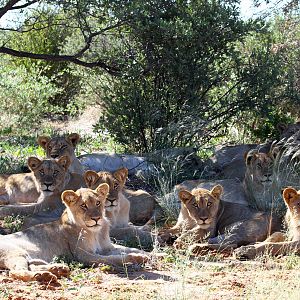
[(276, 244), (204, 216), (82, 234)]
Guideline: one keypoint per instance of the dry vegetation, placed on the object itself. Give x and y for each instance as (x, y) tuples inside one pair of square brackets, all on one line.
[(175, 276)]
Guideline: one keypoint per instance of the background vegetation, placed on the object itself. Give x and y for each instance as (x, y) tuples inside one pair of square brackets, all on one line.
[(166, 73)]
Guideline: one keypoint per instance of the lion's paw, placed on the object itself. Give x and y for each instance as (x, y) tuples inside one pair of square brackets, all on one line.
[(60, 270), (245, 252), (137, 258), (199, 249), (45, 277)]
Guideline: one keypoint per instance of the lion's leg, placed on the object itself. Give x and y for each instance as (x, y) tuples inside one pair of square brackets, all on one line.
[(59, 270), (282, 248), (19, 269)]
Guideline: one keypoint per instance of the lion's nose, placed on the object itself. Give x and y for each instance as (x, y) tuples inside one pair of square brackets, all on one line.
[(96, 219), (54, 155), (203, 219)]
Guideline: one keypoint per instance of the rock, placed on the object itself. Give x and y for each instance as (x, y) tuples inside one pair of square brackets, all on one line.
[(112, 162), (230, 162), (142, 206)]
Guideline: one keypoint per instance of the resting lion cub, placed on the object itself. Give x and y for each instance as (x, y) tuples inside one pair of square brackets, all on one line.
[(56, 147), (204, 216), (117, 207), (48, 177), (82, 234), (276, 245)]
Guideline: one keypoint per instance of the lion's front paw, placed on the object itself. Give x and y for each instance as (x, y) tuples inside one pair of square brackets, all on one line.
[(137, 258), (60, 270), (199, 249), (245, 252), (45, 277)]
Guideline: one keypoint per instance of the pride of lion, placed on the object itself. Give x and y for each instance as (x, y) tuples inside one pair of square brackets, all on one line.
[(72, 212)]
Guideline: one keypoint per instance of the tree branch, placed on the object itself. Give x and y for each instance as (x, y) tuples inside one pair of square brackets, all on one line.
[(62, 58), (9, 5)]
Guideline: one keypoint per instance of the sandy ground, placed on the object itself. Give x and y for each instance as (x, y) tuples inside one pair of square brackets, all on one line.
[(180, 279)]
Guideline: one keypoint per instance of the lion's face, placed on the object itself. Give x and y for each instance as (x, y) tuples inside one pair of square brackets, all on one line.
[(50, 174), (260, 167), (115, 181), (85, 207), (58, 146), (292, 200), (202, 205)]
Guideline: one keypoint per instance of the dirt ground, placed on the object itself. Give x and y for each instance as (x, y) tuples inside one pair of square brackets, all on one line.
[(183, 278)]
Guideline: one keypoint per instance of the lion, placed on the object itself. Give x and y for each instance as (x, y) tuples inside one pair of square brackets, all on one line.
[(81, 234), (287, 130), (39, 190), (117, 206), (279, 243), (58, 146), (259, 182), (204, 216)]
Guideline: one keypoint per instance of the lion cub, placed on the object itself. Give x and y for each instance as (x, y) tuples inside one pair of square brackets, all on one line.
[(40, 189), (276, 245), (82, 234), (56, 147), (204, 216), (117, 207)]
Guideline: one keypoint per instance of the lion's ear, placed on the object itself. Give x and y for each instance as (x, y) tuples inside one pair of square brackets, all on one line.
[(185, 196), (289, 194), (102, 190), (64, 161), (73, 138), (33, 163), (121, 175), (249, 156), (69, 197), (90, 178), (217, 191), (43, 141)]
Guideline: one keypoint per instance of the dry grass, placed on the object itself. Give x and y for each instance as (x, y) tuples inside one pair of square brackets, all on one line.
[(176, 276)]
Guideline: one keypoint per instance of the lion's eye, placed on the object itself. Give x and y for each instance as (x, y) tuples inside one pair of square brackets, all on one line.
[(50, 148), (63, 147), (116, 185), (55, 173), (98, 203), (209, 204), (259, 165), (84, 206), (195, 205), (42, 172)]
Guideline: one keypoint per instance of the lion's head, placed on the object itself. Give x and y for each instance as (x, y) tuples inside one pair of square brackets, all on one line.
[(85, 207), (292, 200), (50, 174), (259, 166), (201, 204), (116, 182), (58, 146)]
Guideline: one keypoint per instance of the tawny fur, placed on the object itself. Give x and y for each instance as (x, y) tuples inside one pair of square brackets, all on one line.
[(81, 234), (277, 246)]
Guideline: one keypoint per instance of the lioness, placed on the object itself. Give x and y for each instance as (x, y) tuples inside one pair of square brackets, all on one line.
[(41, 188), (259, 182), (82, 234), (204, 215), (58, 146), (276, 245), (117, 206)]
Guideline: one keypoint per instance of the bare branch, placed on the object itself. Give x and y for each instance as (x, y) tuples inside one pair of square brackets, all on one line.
[(9, 5), (62, 58), (25, 5)]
